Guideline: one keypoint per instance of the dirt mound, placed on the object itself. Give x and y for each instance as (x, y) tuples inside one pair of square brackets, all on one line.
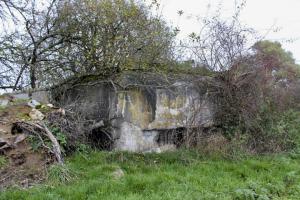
[(24, 166)]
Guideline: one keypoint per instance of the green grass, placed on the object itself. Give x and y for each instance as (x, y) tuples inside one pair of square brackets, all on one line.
[(178, 175)]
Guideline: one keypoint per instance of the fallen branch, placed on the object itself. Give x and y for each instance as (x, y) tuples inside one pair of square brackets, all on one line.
[(31, 128), (55, 144)]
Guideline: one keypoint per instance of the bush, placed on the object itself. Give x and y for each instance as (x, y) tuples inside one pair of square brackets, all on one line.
[(275, 131), (70, 131)]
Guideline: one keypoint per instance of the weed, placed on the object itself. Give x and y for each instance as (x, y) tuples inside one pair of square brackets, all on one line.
[(83, 148), (34, 142), (3, 161), (58, 173), (60, 136)]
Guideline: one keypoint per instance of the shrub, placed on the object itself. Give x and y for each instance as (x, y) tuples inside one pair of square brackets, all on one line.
[(275, 131), (271, 130), (69, 129)]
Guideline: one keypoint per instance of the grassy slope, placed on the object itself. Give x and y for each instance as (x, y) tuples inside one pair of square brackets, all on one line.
[(180, 175)]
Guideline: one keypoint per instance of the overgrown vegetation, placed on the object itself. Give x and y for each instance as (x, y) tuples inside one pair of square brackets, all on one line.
[(275, 132), (3, 161), (254, 88), (251, 80), (174, 175), (64, 39)]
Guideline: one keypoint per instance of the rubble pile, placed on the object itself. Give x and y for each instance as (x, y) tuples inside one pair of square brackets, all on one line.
[(21, 122)]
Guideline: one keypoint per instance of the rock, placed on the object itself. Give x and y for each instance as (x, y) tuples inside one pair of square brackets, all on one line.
[(62, 111), (33, 103), (118, 173), (50, 105), (36, 115)]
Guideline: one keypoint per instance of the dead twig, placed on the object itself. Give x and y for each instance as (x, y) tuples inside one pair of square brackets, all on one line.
[(55, 144), (38, 129)]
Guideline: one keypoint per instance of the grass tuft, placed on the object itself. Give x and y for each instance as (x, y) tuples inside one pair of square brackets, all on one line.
[(60, 174)]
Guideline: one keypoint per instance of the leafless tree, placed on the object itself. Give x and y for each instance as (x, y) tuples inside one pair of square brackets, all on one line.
[(23, 48), (11, 8), (224, 47)]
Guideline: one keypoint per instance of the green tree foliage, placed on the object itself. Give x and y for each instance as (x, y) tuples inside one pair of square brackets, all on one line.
[(71, 38), (279, 74), (273, 52), (109, 36), (274, 59)]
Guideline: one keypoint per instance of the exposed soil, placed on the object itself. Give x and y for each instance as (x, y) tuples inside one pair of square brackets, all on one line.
[(24, 166)]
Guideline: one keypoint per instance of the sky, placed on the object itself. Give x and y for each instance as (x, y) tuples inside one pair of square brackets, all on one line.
[(276, 20)]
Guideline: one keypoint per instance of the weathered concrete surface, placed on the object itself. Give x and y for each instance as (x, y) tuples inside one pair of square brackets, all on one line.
[(40, 96), (140, 108), (165, 109), (133, 138), (145, 113), (171, 109), (182, 108), (21, 95), (134, 107)]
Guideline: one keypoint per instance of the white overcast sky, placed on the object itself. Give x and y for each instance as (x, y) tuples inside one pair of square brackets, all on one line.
[(282, 15)]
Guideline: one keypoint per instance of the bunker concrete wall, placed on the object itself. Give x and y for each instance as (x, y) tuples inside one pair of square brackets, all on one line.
[(138, 114)]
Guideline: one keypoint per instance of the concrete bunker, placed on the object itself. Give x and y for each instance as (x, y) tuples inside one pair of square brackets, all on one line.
[(145, 111)]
